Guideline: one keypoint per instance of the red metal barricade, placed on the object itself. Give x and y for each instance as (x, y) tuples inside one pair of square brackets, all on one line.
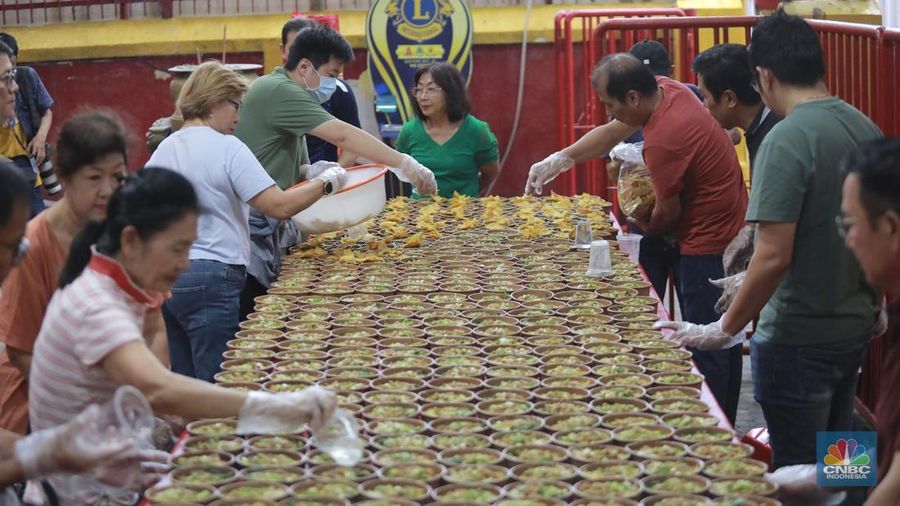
[(851, 60), (58, 11), (683, 37), (574, 58), (889, 82)]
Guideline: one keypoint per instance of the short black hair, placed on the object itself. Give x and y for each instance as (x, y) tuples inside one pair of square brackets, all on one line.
[(14, 189), (448, 78), (654, 55), (624, 73), (5, 49), (877, 166), (295, 25), (789, 48), (318, 44), (86, 137), (727, 67), (10, 41)]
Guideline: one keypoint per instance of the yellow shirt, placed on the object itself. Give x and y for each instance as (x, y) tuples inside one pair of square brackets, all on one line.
[(11, 141), (11, 146)]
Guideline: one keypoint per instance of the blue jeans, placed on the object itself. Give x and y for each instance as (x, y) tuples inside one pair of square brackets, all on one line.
[(722, 368), (803, 390), (202, 316), (37, 197)]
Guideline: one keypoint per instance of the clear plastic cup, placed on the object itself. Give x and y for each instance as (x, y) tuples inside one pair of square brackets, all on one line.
[(583, 235), (599, 263), (339, 437), (631, 244), (127, 415)]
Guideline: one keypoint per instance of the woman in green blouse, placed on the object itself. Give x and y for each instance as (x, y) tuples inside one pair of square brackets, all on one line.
[(458, 147)]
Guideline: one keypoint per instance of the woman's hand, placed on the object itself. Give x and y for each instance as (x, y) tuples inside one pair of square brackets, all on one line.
[(267, 413)]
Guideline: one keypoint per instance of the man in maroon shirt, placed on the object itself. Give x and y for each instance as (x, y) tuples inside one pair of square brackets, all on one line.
[(699, 189), (870, 224)]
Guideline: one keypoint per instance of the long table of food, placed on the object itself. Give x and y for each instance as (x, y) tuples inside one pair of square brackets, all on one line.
[(484, 365)]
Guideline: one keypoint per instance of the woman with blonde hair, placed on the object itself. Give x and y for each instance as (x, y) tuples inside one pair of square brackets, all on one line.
[(202, 313)]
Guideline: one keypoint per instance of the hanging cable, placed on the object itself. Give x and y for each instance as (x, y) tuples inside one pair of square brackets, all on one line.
[(519, 97)]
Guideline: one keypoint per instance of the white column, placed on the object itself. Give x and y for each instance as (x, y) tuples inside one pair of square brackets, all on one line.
[(890, 13)]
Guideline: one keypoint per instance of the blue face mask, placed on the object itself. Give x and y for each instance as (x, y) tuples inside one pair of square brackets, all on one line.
[(326, 88)]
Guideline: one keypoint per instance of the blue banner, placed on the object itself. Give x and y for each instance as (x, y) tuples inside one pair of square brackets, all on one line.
[(405, 35)]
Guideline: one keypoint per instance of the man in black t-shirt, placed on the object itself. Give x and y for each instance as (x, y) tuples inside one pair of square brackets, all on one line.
[(726, 82)]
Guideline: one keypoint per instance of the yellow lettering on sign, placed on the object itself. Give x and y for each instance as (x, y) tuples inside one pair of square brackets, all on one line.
[(417, 11)]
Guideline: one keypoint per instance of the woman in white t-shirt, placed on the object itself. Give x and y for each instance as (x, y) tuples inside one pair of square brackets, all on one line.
[(95, 334), (203, 311)]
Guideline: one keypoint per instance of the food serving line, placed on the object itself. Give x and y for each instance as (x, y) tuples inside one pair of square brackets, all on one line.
[(485, 367)]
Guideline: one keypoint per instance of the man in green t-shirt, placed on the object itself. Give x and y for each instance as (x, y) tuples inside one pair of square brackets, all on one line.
[(816, 312), (278, 111)]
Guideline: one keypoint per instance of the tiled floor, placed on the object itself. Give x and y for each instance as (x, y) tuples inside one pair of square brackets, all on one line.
[(749, 415)]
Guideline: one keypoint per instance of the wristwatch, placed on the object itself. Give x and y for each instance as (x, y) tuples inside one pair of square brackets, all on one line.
[(327, 187)]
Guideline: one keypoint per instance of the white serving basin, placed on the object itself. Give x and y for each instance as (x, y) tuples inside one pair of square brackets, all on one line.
[(362, 198)]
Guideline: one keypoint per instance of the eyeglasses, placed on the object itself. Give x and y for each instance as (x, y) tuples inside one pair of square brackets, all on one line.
[(21, 251), (430, 90), (9, 77), (843, 225), (237, 105)]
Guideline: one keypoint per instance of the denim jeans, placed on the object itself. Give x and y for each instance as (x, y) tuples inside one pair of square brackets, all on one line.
[(722, 368), (803, 390), (658, 258), (37, 197), (202, 316)]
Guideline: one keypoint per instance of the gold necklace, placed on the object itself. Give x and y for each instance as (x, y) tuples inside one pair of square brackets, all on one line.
[(814, 97)]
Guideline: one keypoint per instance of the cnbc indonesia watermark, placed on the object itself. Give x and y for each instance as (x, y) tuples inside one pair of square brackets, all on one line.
[(846, 459)]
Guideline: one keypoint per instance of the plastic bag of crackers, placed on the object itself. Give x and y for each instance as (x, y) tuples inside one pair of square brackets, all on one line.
[(636, 197)]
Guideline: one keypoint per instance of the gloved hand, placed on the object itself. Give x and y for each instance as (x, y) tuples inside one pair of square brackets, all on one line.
[(268, 413), (797, 486), (730, 286), (60, 449), (336, 175), (316, 169), (737, 254), (545, 171), (135, 471), (706, 337), (411, 171)]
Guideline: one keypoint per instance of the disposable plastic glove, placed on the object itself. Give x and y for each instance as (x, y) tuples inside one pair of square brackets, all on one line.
[(730, 287), (797, 486), (59, 449), (411, 171), (737, 254), (268, 413), (135, 471), (545, 171), (336, 175), (316, 169), (706, 337)]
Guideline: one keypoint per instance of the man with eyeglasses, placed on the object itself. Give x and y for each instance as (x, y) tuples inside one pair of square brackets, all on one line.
[(23, 137), (816, 311), (341, 105)]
